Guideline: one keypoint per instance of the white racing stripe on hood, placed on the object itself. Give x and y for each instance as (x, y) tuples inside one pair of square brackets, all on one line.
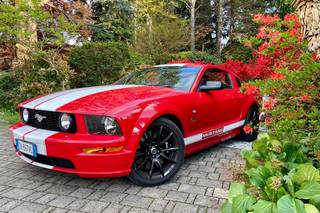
[(43, 99), (53, 103)]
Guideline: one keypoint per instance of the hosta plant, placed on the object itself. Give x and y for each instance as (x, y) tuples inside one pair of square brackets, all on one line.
[(283, 177)]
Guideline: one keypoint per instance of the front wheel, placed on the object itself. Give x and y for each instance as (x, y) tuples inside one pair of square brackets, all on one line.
[(252, 119), (160, 154)]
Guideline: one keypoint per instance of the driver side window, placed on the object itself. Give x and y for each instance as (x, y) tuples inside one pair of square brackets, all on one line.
[(217, 75)]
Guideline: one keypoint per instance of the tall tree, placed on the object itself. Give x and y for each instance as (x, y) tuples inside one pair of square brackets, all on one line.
[(159, 31), (114, 20), (193, 8), (219, 25), (309, 15)]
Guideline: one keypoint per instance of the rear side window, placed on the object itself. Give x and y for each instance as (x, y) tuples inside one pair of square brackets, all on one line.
[(217, 75)]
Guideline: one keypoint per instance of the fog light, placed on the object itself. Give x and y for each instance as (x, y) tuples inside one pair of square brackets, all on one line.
[(103, 149)]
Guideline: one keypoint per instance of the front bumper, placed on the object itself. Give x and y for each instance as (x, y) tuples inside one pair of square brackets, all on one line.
[(68, 148)]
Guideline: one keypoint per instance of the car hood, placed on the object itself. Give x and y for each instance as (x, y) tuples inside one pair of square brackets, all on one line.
[(102, 100)]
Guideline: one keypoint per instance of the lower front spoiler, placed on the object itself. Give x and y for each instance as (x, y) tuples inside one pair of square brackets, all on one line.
[(84, 174)]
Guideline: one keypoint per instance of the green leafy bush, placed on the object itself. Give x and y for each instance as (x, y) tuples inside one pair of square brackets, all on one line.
[(283, 176), (98, 63), (236, 51), (43, 73), (195, 56)]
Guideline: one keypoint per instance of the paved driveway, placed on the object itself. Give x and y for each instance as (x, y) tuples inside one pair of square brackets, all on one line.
[(200, 186)]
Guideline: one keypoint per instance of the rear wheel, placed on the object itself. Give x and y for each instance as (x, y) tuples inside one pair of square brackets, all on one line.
[(252, 119), (160, 154)]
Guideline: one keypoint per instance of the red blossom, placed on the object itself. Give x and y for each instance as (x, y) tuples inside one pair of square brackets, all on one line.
[(266, 19), (262, 32), (292, 18), (315, 57), (264, 46), (251, 90), (304, 98), (248, 129), (269, 121), (277, 76), (269, 103)]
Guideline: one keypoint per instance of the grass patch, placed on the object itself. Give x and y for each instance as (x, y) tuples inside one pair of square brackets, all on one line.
[(9, 116)]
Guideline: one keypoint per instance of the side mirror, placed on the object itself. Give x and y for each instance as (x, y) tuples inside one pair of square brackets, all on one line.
[(211, 85)]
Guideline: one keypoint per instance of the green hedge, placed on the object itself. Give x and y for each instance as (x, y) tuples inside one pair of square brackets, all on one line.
[(98, 63), (195, 56)]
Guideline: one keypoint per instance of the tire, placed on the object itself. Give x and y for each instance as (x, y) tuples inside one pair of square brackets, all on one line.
[(252, 119), (159, 155)]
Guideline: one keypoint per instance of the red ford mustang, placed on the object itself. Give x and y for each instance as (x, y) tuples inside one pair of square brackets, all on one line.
[(142, 126)]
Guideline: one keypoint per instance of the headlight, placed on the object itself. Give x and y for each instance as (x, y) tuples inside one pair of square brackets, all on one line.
[(25, 115), (102, 125), (65, 122)]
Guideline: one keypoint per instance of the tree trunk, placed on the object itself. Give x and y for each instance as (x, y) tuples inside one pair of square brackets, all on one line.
[(232, 8), (309, 15), (193, 24), (219, 25)]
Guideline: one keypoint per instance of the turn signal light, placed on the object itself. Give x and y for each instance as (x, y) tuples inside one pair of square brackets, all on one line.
[(102, 149)]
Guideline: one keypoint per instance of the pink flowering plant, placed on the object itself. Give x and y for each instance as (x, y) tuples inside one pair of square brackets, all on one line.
[(282, 169)]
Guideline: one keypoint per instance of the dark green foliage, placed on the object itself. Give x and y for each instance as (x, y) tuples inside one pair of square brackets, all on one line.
[(236, 51), (195, 56), (115, 20), (7, 86), (98, 63), (281, 7)]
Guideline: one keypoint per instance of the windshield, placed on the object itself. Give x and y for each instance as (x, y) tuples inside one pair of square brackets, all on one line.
[(176, 77)]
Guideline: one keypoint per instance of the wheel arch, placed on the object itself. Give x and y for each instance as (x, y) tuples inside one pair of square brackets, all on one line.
[(175, 119)]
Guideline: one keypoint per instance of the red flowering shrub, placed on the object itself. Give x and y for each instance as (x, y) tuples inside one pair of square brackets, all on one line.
[(285, 72), (278, 44)]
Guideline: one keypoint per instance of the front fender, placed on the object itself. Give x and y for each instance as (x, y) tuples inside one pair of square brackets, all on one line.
[(152, 112)]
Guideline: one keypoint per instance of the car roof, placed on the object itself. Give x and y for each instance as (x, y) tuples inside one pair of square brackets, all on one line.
[(198, 64)]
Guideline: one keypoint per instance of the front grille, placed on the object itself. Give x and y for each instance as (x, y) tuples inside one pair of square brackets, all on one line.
[(50, 120), (51, 161)]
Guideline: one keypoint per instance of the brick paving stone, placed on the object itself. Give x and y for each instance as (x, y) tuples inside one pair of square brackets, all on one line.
[(153, 192), (94, 206), (220, 193), (77, 204), (177, 196), (82, 193), (113, 197), (28, 207), (158, 204), (137, 201), (6, 207), (206, 201), (200, 186), (61, 201), (183, 208), (17, 193), (188, 188), (209, 183), (137, 210), (113, 208)]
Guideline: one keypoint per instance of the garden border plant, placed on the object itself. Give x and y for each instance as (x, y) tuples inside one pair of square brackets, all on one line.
[(282, 169)]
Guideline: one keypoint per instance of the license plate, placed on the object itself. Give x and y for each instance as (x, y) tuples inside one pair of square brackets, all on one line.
[(26, 148)]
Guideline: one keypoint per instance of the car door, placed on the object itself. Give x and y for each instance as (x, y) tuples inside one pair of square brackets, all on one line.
[(216, 108)]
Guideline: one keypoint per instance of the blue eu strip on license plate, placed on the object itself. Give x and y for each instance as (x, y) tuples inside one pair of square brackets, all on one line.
[(26, 148)]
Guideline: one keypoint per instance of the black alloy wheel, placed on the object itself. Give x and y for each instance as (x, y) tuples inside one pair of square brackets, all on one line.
[(160, 154), (253, 120)]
